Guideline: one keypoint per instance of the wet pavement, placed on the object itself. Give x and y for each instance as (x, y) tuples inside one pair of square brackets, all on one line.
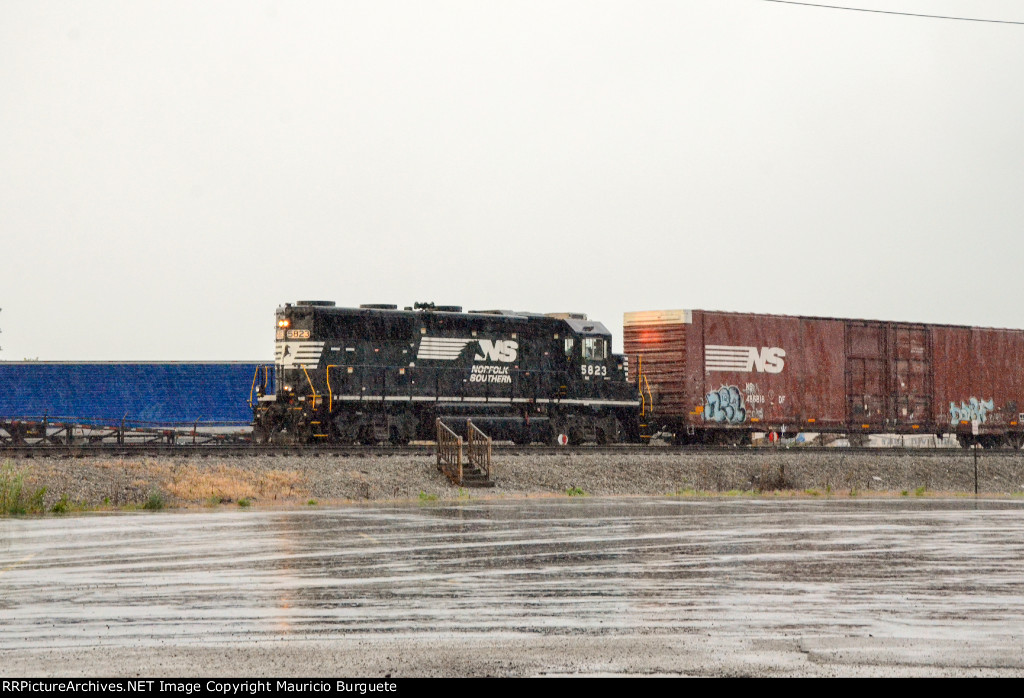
[(526, 587)]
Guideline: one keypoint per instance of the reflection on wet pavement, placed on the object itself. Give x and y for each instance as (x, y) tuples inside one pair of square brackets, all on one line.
[(906, 570)]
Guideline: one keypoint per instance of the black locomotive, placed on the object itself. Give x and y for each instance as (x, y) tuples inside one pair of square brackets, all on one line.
[(377, 373)]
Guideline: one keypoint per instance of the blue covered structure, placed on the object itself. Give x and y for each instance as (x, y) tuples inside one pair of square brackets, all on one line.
[(140, 394)]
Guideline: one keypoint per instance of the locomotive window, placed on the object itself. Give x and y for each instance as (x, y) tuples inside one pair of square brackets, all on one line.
[(594, 349), (569, 342)]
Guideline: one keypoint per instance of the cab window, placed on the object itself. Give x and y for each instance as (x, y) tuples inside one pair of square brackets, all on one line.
[(594, 349)]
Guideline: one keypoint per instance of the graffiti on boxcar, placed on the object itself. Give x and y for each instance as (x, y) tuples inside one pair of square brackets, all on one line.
[(753, 402), (971, 410), (725, 405)]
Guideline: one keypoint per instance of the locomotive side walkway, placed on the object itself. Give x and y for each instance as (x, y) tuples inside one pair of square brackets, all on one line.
[(126, 481)]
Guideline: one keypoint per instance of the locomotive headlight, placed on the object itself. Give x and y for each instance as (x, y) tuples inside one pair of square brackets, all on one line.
[(284, 322)]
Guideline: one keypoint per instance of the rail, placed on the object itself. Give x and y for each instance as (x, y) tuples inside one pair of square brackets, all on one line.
[(479, 449), (449, 452), (242, 445)]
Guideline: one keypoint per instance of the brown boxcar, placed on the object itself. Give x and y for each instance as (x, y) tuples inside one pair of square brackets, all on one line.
[(718, 377)]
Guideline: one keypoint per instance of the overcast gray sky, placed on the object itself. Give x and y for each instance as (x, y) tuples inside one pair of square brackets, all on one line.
[(170, 172)]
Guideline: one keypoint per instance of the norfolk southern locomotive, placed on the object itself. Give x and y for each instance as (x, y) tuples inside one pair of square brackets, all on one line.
[(377, 373)]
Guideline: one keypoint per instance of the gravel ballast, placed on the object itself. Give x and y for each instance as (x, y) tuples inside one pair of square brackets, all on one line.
[(300, 480)]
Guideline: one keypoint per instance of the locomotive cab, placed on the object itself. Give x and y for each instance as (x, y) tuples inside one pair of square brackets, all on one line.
[(589, 346)]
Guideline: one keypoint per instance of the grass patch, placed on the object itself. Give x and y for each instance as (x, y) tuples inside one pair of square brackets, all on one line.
[(853, 491), (62, 506), (813, 493), (230, 484), (904, 493), (687, 492), (155, 502), (244, 503), (575, 492), (919, 492), (311, 503), (425, 497), (15, 499)]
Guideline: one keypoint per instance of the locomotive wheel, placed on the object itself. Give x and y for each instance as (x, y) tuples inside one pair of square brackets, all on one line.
[(613, 434), (367, 436), (556, 427), (260, 434), (521, 436)]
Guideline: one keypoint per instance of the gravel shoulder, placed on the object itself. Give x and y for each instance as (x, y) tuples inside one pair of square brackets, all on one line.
[(302, 480)]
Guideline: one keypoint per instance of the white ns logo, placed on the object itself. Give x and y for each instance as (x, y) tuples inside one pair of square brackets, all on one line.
[(504, 350), (769, 360)]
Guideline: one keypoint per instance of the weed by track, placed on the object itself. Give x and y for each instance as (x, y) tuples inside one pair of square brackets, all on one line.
[(15, 498)]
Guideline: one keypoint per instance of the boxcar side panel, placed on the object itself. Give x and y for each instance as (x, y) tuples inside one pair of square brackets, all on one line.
[(715, 370), (822, 375), (978, 379), (784, 370)]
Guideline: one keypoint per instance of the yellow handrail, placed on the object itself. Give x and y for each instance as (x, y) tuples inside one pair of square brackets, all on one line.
[(315, 394), (330, 392), (641, 383), (253, 388)]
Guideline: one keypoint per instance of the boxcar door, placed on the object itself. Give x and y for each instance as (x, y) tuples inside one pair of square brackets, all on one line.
[(865, 375), (910, 386)]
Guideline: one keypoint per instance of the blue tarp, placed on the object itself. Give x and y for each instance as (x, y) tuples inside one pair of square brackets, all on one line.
[(139, 393)]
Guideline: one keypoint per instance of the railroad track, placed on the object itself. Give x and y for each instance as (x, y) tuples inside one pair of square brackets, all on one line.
[(243, 449)]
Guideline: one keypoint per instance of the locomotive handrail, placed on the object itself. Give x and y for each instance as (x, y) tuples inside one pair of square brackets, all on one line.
[(314, 393), (252, 390), (255, 380), (330, 392)]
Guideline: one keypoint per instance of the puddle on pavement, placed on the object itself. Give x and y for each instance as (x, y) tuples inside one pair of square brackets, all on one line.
[(937, 569)]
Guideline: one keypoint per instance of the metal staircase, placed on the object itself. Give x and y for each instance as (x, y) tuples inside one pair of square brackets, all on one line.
[(466, 463)]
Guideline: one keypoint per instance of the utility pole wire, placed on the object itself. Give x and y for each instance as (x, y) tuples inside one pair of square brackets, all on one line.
[(891, 12)]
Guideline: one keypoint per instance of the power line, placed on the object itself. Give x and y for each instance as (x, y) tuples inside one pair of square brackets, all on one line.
[(890, 12)]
